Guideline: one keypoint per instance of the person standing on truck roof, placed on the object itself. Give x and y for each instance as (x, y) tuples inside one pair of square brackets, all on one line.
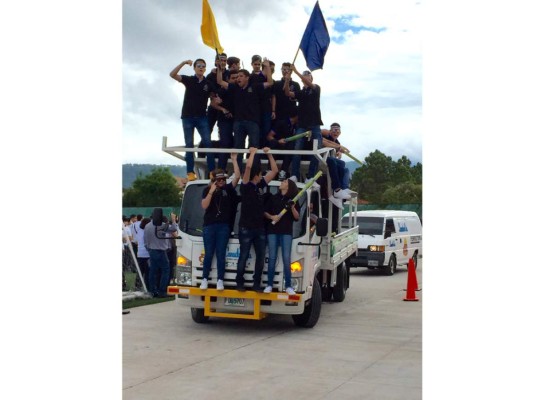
[(194, 111), (225, 120), (218, 199), (280, 234), (337, 168), (247, 100), (252, 221), (157, 244), (309, 118)]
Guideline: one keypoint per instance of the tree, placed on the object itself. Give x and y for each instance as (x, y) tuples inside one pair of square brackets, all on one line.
[(383, 181), (158, 189), (404, 193)]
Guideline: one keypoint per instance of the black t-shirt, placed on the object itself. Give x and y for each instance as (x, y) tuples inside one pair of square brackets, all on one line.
[(228, 103), (266, 97), (196, 96), (221, 207), (308, 107), (253, 205), (274, 206), (247, 101), (285, 106)]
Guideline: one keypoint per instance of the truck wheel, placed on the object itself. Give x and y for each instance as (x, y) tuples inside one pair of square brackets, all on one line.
[(339, 291), (311, 313), (198, 316), (391, 268), (415, 259)]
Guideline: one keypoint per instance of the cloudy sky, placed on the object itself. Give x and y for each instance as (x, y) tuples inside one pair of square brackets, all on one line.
[(371, 82)]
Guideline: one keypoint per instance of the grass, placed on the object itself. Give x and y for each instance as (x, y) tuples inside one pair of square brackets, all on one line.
[(130, 284), (144, 302)]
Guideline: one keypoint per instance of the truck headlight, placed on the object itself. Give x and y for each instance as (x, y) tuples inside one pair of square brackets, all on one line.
[(183, 271), (296, 283), (376, 248)]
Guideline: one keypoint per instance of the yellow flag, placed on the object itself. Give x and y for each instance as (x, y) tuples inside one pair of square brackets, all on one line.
[(209, 28)]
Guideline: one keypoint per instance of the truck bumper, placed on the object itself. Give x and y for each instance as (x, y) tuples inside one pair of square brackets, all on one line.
[(369, 259)]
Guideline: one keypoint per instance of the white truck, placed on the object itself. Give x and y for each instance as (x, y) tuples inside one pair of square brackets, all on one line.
[(387, 239), (317, 257)]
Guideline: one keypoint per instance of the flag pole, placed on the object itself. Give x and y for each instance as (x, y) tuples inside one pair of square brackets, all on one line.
[(296, 55)]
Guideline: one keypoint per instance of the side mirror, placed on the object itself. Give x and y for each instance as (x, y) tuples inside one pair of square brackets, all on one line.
[(322, 227), (157, 216)]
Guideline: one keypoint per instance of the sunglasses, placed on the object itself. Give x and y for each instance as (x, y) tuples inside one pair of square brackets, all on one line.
[(200, 65)]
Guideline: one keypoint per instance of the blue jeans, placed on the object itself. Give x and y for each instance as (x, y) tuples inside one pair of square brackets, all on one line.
[(216, 238), (316, 133), (247, 237), (242, 129), (202, 126), (158, 263), (337, 172), (225, 129), (274, 241)]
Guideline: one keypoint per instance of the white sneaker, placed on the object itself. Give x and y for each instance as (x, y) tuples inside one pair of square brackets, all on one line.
[(290, 290), (282, 175), (231, 178), (220, 284), (339, 194), (294, 179), (337, 202), (349, 192), (268, 289), (203, 285)]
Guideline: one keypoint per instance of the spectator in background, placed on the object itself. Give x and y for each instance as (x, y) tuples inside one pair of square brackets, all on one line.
[(143, 257), (157, 245)]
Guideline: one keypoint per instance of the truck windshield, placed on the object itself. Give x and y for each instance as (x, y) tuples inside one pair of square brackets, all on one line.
[(370, 225), (192, 214)]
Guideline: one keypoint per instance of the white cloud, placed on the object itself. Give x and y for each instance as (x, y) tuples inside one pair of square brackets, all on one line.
[(371, 82)]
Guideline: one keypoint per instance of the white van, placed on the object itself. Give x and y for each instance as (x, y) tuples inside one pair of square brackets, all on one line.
[(387, 238)]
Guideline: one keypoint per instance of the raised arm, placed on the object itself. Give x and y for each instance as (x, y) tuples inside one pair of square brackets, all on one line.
[(286, 86), (305, 78), (249, 163), (268, 73), (207, 199), (236, 169), (273, 166), (174, 73), (220, 80)]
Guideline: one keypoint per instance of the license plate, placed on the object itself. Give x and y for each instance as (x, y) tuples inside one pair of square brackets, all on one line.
[(373, 263), (234, 302)]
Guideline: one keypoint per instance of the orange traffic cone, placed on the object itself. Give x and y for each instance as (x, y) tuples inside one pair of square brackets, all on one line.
[(412, 283), (414, 273)]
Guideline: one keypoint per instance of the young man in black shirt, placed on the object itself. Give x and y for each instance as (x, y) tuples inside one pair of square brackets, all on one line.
[(194, 112), (247, 101), (252, 222), (309, 118)]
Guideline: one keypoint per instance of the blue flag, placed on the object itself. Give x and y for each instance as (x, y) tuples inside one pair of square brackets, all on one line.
[(315, 41)]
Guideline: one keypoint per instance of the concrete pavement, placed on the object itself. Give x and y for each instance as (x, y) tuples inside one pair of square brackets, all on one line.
[(368, 347)]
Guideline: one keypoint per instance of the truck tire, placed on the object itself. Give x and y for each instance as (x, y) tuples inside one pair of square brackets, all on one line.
[(311, 313), (415, 259), (339, 291), (198, 316), (391, 267)]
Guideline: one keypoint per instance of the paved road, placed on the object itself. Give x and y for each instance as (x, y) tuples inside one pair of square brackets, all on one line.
[(368, 347)]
